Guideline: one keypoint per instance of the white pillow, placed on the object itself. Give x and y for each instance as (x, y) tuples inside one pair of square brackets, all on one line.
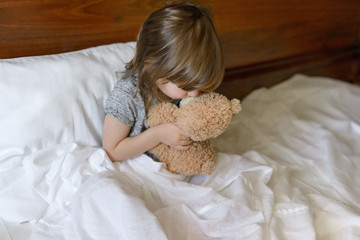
[(46, 100)]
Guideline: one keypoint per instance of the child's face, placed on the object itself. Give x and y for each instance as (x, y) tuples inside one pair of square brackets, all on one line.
[(173, 91)]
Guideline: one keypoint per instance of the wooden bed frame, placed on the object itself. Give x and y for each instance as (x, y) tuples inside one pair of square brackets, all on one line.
[(264, 42)]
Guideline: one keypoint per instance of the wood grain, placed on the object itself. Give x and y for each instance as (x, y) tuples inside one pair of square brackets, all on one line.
[(342, 64), (252, 32)]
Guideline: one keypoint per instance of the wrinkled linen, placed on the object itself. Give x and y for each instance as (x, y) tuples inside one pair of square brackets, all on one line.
[(139, 199), (287, 168), (308, 129)]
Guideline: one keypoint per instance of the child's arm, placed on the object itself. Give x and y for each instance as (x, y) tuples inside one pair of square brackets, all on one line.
[(120, 147)]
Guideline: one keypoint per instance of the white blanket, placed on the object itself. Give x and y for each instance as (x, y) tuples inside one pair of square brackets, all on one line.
[(287, 168), (139, 199)]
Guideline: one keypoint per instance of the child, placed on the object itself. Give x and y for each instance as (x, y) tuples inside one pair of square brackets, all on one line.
[(178, 55)]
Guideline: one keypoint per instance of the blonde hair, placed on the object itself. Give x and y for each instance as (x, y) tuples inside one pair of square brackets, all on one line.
[(179, 43)]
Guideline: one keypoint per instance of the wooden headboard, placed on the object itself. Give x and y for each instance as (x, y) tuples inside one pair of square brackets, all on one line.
[(264, 42)]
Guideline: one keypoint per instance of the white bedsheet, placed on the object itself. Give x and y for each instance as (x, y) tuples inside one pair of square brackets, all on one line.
[(139, 199), (287, 168)]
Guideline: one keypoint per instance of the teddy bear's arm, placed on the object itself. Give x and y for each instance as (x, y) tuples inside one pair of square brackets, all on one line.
[(161, 113)]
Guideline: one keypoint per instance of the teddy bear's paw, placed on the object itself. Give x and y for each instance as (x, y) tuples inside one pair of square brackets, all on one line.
[(207, 167), (171, 170)]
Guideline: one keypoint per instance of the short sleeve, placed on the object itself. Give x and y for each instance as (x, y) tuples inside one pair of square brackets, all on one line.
[(120, 103)]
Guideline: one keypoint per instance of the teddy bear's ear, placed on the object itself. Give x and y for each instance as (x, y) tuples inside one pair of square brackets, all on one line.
[(235, 106)]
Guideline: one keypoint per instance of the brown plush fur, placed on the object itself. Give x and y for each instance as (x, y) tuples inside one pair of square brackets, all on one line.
[(204, 117)]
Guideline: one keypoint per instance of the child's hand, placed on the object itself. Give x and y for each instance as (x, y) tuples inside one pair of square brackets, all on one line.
[(172, 135)]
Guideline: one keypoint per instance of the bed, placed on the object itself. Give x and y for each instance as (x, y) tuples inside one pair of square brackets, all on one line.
[(286, 168)]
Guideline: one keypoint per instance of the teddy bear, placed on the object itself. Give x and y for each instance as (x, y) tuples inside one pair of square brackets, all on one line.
[(202, 118)]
